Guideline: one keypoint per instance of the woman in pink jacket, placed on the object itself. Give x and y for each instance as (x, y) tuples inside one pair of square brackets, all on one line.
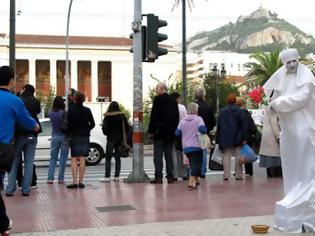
[(188, 129)]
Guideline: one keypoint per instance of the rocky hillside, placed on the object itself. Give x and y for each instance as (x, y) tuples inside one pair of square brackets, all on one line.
[(261, 30)]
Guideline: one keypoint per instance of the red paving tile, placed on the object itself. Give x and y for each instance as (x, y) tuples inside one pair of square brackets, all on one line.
[(53, 207)]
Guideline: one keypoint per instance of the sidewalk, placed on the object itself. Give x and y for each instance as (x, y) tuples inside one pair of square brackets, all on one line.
[(217, 208)]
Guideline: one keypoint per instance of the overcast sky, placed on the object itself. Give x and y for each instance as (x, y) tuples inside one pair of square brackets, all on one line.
[(113, 17)]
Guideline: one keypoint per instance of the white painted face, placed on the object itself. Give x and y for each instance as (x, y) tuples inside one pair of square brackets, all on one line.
[(291, 66)]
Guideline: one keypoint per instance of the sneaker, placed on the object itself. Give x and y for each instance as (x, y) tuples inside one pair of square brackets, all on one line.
[(61, 181), (170, 180), (106, 180), (8, 194), (116, 179), (50, 181), (10, 224), (33, 186), (25, 194)]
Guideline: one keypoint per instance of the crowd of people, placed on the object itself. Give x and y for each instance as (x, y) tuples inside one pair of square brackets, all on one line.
[(177, 134)]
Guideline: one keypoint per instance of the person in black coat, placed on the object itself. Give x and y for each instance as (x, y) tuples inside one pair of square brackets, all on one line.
[(113, 125), (251, 132), (231, 135), (207, 114), (163, 123), (80, 124)]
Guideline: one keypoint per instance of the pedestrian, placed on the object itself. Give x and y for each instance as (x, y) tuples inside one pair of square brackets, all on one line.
[(13, 111), (188, 129), (251, 131), (207, 114), (269, 148), (114, 124), (59, 141), (231, 135), (179, 167), (291, 90), (163, 123), (25, 144), (80, 122)]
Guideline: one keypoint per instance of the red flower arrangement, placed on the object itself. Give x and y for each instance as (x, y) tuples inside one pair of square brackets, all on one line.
[(256, 95)]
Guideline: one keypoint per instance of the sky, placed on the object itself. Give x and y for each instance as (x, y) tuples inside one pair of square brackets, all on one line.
[(114, 17)]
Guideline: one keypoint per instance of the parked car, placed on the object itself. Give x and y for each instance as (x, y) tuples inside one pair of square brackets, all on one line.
[(97, 144)]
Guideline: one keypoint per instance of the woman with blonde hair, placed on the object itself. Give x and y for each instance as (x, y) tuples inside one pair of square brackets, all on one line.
[(188, 129)]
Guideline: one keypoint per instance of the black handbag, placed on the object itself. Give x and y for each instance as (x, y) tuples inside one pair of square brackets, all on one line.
[(123, 148), (7, 152)]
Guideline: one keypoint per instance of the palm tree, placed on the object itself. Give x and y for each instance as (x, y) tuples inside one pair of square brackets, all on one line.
[(261, 71)]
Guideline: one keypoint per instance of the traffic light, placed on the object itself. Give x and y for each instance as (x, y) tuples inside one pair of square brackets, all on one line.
[(143, 42), (153, 37)]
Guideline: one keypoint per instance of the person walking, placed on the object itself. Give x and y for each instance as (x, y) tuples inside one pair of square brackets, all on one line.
[(13, 111), (163, 123), (25, 143), (231, 135), (188, 129), (114, 124), (206, 113), (269, 148), (59, 141), (80, 122)]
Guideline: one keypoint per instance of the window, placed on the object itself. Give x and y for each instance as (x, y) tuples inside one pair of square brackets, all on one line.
[(84, 78), (105, 79), (42, 77), (61, 78), (22, 74)]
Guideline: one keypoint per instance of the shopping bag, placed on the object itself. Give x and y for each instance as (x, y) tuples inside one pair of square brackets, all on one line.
[(204, 141), (247, 154), (217, 155)]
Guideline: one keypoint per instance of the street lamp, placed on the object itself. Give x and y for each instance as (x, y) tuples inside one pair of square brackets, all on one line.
[(67, 56), (219, 77)]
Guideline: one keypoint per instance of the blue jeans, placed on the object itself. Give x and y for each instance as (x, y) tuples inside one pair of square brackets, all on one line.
[(204, 162), (27, 145), (58, 142)]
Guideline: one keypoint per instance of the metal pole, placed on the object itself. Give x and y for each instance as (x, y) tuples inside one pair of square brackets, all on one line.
[(184, 76), (12, 36), (137, 175), (67, 57), (218, 92)]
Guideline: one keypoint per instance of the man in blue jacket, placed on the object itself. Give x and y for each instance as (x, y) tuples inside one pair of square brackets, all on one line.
[(12, 111)]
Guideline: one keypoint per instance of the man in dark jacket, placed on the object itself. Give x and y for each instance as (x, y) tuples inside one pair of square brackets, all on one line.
[(206, 113), (12, 111), (163, 123), (25, 142)]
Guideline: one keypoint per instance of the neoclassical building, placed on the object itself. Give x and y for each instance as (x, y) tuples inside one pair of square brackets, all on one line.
[(99, 66)]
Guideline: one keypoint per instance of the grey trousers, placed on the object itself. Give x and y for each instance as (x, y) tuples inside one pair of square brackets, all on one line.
[(179, 167), (228, 153)]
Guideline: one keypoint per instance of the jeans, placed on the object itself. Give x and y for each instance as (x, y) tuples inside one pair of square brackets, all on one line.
[(204, 162), (19, 176), (160, 147), (110, 147), (27, 145), (4, 220), (58, 143)]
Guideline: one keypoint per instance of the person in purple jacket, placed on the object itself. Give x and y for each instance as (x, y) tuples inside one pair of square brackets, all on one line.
[(188, 129)]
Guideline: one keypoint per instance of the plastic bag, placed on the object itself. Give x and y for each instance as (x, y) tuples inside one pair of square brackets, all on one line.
[(217, 155), (247, 154)]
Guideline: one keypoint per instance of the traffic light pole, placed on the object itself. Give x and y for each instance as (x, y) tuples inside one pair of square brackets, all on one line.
[(137, 175), (184, 73), (12, 36)]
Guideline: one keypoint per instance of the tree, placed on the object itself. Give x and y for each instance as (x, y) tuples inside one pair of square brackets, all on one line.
[(261, 71)]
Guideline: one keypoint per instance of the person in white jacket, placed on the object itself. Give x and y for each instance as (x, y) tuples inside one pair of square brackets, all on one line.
[(291, 90)]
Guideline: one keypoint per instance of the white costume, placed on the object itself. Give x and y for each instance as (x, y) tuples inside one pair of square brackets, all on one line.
[(293, 98)]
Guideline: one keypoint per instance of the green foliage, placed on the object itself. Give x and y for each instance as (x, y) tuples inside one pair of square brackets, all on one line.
[(125, 111), (210, 88), (261, 71), (46, 101)]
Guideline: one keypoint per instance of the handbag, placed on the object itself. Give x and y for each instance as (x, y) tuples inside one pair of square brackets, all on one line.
[(204, 141), (124, 148), (7, 152)]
